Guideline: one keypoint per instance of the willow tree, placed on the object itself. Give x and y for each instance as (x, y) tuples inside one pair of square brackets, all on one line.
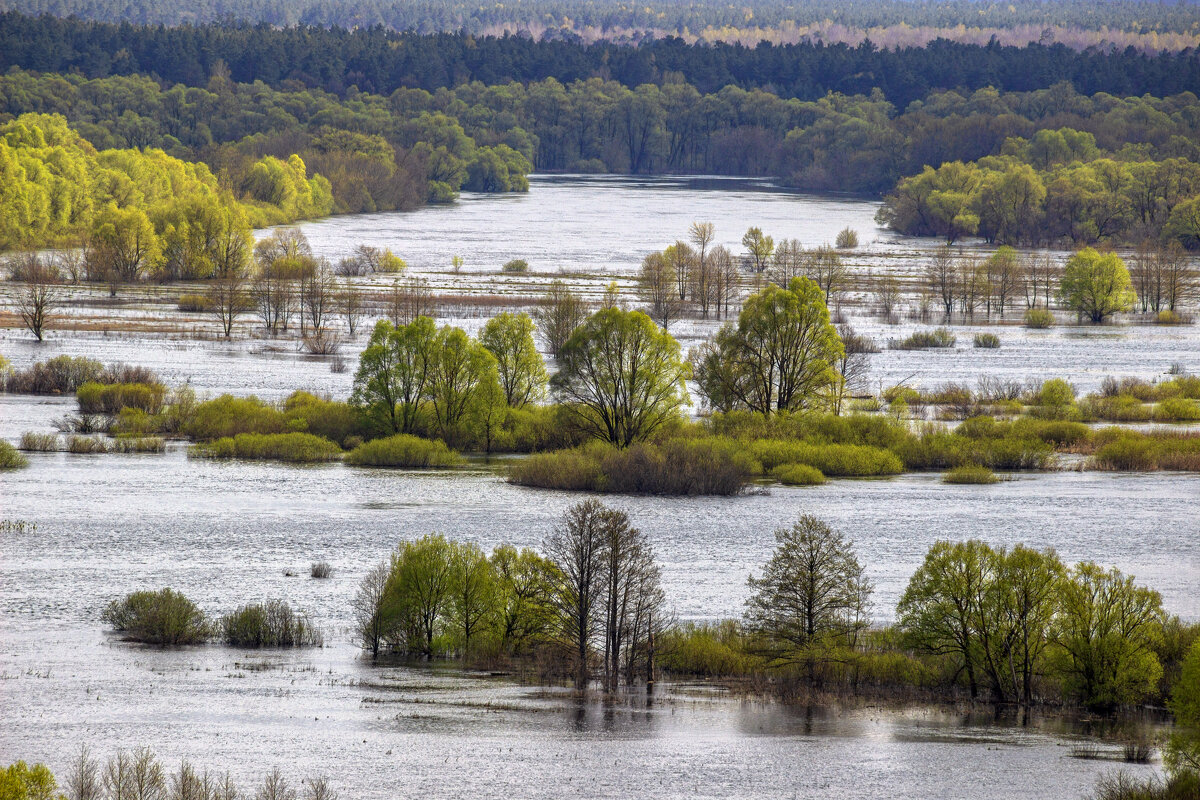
[(780, 356), (1096, 285), (622, 377), (509, 338)]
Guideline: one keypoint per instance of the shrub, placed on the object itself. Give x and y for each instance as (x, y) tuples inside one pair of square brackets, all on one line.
[(833, 460), (10, 458), (1122, 408), (289, 447), (320, 569), (86, 445), (228, 416), (1039, 318), (57, 375), (567, 470), (1168, 317), (96, 398), (269, 624), (39, 442), (335, 420), (162, 617), (193, 302), (923, 340), (798, 475), (987, 341), (138, 444), (516, 265), (1177, 409), (713, 650), (970, 473), (847, 239), (403, 450), (1056, 393)]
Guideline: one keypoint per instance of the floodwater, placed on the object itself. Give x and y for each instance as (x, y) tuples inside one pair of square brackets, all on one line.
[(230, 533)]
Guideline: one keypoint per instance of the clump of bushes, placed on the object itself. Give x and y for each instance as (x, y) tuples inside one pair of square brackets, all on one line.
[(404, 450), (970, 474), (847, 239), (65, 374), (516, 265), (987, 341), (138, 444), (833, 460), (10, 458), (87, 445), (1039, 318), (39, 442), (1169, 317), (192, 302), (162, 617), (701, 466), (320, 569), (1123, 450), (289, 447), (99, 398), (269, 624), (798, 475), (924, 340), (710, 650), (1177, 409)]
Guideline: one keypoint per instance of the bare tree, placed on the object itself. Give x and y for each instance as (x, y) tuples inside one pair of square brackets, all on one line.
[(227, 299), (1040, 280), (408, 299), (887, 297), (319, 789), (318, 291), (1181, 277), (351, 305), (656, 288), (787, 262), (83, 777), (576, 547), (559, 314), (370, 630), (727, 280), (680, 257), (854, 365), (941, 278), (972, 285), (275, 787), (1003, 275), (37, 296), (824, 265)]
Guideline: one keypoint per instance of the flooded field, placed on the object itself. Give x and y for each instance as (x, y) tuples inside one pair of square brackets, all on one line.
[(230, 533)]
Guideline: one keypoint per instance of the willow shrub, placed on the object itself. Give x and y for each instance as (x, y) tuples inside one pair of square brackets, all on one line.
[(970, 474), (1123, 450), (269, 624), (98, 398), (798, 475), (227, 416), (403, 450), (289, 447), (712, 650), (10, 458), (39, 442), (162, 617), (833, 460)]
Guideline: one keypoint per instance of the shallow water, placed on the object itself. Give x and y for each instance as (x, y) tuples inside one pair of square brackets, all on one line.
[(227, 533)]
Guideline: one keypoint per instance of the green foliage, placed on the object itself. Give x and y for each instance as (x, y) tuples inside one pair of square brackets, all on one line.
[(1039, 318), (394, 373), (227, 416), (515, 265), (1096, 285), (621, 378), (10, 458), (522, 373), (269, 624), (19, 781), (404, 450), (988, 341), (162, 617), (833, 460), (1182, 753), (969, 474), (96, 398), (300, 448), (798, 475), (1131, 451), (709, 650), (923, 340)]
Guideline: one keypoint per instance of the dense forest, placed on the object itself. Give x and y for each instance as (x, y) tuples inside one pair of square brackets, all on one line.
[(1149, 25), (377, 60)]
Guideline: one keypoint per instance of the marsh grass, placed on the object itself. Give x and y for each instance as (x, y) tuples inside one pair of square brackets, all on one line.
[(34, 442), (321, 569), (1039, 318), (987, 341), (87, 445), (139, 444), (924, 340)]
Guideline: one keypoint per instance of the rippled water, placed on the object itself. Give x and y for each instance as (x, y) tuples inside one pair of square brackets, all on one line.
[(227, 533)]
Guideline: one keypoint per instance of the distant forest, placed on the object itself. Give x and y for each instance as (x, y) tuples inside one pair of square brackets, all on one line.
[(1148, 25), (381, 61)]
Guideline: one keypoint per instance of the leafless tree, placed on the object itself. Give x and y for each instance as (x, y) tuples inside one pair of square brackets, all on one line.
[(727, 280), (972, 285), (941, 278), (853, 366), (824, 265), (369, 623), (887, 297), (656, 288), (559, 314), (351, 305), (576, 547), (275, 787), (187, 784), (630, 594), (319, 789), (1041, 276), (37, 296), (787, 262), (83, 780), (317, 293), (408, 299), (227, 299), (1003, 275)]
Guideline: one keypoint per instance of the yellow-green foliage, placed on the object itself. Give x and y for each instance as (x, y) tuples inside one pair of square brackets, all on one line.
[(228, 416), (290, 447), (96, 398), (55, 186), (835, 460), (22, 782), (1177, 409), (798, 475), (970, 474), (715, 650), (403, 450), (1123, 450), (10, 458)]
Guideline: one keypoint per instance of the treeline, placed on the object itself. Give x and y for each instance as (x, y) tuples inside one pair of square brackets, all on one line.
[(615, 19), (134, 205), (381, 61), (1056, 186)]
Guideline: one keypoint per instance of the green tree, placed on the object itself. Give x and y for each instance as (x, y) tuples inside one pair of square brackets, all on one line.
[(419, 592), (759, 248), (509, 338), (458, 368), (558, 315), (779, 356), (1105, 636), (393, 373), (524, 582), (473, 592), (1182, 753), (1097, 285), (812, 600), (21, 782), (125, 244), (621, 378)]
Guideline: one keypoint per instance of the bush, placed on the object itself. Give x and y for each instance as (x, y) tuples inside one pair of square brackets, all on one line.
[(1168, 317), (924, 340), (568, 470), (847, 239), (138, 444), (97, 398), (1039, 318), (712, 650), (228, 416), (798, 475), (86, 445), (10, 458), (970, 473), (162, 617), (335, 420), (1177, 409), (516, 265), (39, 442), (289, 447), (403, 450), (1123, 450), (269, 624), (58, 375), (987, 341), (833, 460), (193, 302), (1056, 393), (320, 569)]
